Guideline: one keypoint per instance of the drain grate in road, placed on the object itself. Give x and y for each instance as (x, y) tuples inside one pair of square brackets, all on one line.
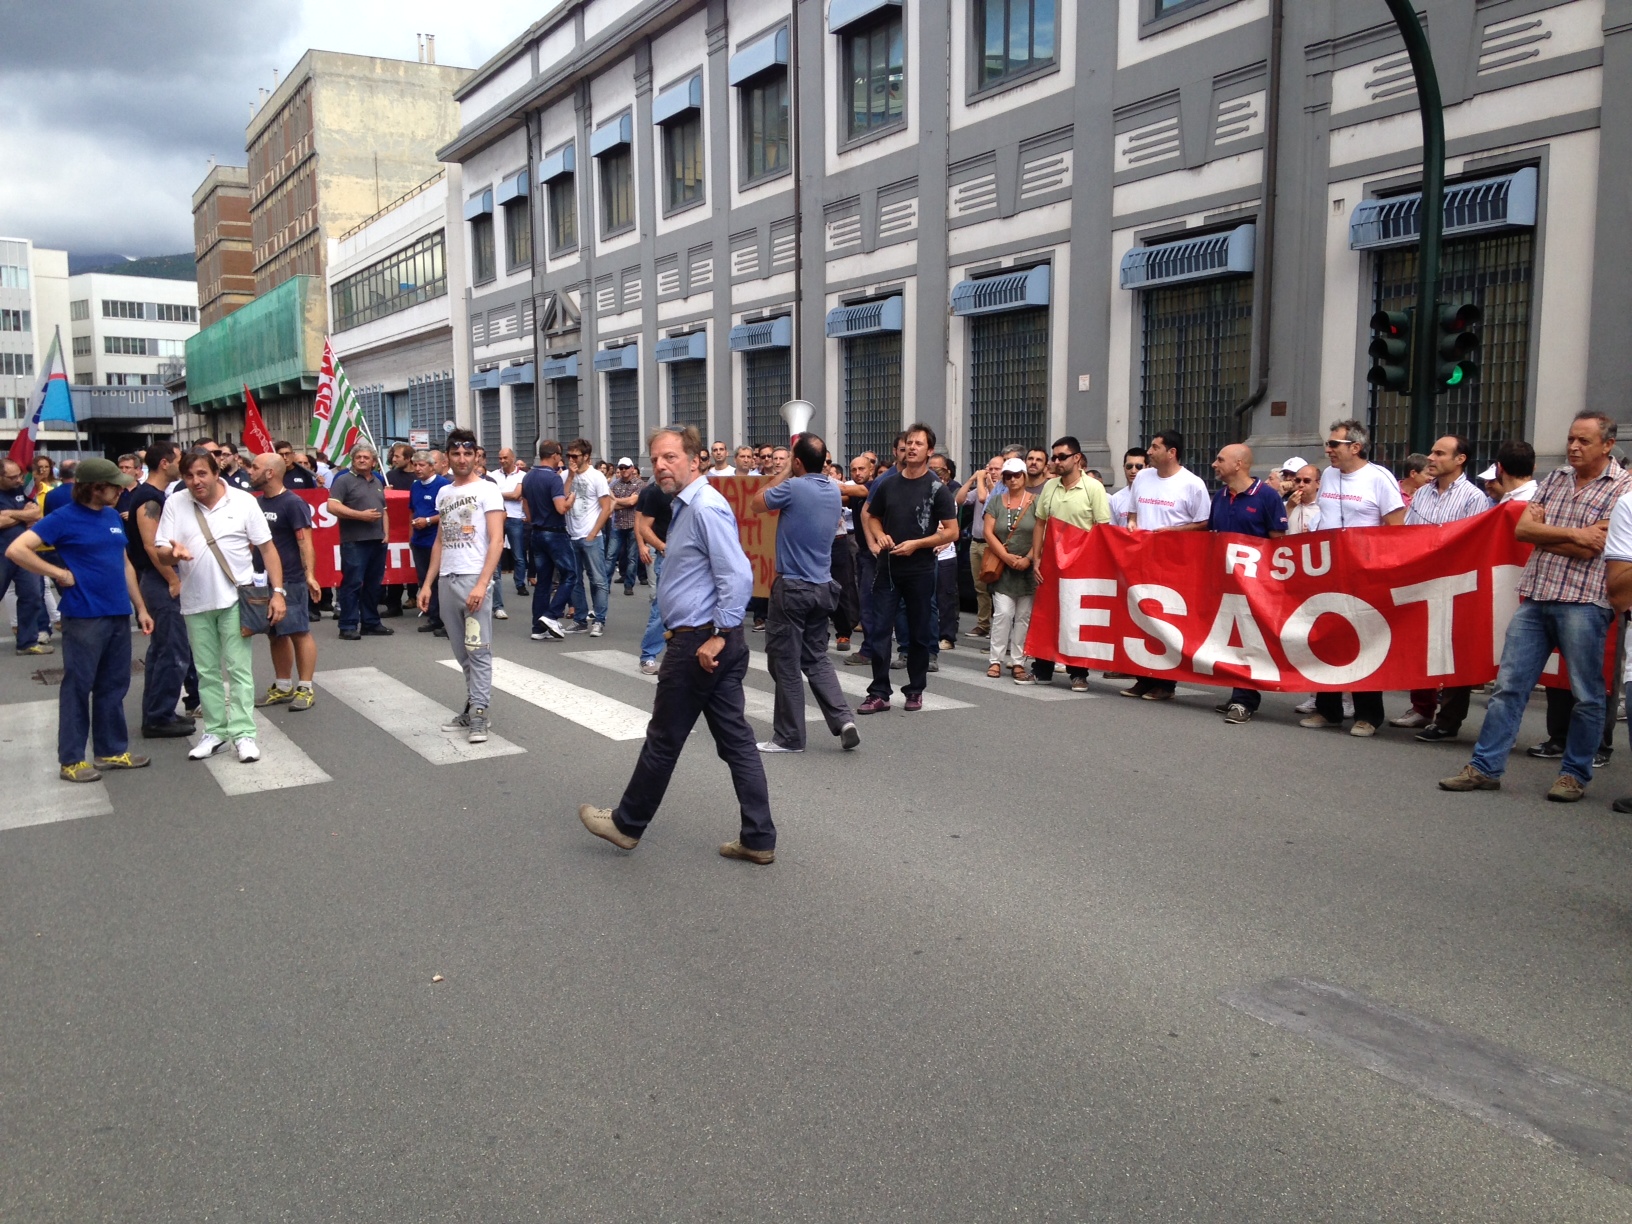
[(53, 675)]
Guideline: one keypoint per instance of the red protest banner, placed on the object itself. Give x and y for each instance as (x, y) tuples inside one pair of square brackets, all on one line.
[(1382, 608), (757, 531), (399, 562)]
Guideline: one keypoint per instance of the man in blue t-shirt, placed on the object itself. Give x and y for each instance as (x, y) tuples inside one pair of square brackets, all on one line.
[(1243, 506), (424, 520), (19, 511), (544, 497), (98, 586), (803, 596)]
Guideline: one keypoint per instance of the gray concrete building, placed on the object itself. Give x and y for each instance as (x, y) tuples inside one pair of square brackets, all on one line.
[(1016, 219)]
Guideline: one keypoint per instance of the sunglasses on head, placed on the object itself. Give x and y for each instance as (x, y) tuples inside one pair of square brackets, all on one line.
[(460, 448)]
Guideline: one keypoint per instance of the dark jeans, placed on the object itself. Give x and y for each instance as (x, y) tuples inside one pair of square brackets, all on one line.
[(515, 539), (1043, 669), (903, 631), (1368, 707), (168, 667), (555, 567), (847, 611), (30, 590), (362, 569), (866, 575), (684, 691), (892, 592), (95, 679), (795, 642), (946, 597), (1251, 699), (620, 555), (422, 562)]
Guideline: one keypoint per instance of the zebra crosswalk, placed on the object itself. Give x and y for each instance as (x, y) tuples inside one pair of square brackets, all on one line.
[(599, 691)]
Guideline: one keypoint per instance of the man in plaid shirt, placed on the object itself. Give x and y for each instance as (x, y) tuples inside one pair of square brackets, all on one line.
[(1565, 608)]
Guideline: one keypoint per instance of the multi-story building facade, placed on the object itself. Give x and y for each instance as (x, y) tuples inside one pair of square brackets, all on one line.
[(1016, 219), (221, 243), (33, 308), (339, 139), (392, 320), (124, 328)]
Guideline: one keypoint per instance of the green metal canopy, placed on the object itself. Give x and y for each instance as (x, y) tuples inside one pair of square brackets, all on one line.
[(274, 345)]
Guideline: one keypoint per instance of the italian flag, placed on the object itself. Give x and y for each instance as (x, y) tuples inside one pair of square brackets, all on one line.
[(337, 418)]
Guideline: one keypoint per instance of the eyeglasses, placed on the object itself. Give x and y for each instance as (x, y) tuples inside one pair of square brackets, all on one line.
[(1304, 480), (460, 448), (1334, 443), (1062, 458)]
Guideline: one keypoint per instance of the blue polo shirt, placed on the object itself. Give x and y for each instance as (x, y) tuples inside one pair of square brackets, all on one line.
[(539, 489), (809, 518), (422, 504), (1256, 511), (90, 544), (15, 499)]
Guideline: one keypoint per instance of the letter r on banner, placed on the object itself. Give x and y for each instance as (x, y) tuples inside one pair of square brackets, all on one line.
[(1075, 617)]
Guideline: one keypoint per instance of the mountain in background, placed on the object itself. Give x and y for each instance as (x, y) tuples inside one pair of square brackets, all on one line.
[(165, 267)]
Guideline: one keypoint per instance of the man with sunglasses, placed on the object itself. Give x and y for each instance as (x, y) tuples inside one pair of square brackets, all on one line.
[(1133, 462), (1070, 498), (1303, 501), (1167, 496)]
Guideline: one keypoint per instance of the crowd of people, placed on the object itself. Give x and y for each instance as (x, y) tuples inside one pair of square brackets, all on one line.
[(208, 550)]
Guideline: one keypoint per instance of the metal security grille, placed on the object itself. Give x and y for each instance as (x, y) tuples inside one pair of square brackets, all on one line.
[(767, 384), (524, 420), (488, 418), (1495, 273), (688, 394), (1197, 359), (564, 399), (1008, 382), (622, 414), (430, 402), (372, 401), (872, 393)]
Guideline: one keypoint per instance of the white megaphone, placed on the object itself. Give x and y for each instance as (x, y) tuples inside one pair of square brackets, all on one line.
[(797, 414)]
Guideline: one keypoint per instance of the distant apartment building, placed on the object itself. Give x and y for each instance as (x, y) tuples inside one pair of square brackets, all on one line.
[(221, 243), (33, 307), (338, 140), (124, 328), (391, 317), (1017, 219)]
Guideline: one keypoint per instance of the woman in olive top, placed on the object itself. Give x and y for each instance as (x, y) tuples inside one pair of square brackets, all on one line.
[(1010, 521)]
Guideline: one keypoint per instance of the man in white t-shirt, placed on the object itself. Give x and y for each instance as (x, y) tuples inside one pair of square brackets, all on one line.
[(1166, 496), (589, 505), (469, 541), (209, 595), (1354, 493), (1122, 500), (1512, 478), (509, 478)]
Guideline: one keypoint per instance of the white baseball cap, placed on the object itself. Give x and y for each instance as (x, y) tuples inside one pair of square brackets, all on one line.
[(1489, 473), (626, 462), (1014, 465), (1296, 463)]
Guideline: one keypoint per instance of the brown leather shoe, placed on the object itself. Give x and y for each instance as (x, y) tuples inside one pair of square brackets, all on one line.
[(1566, 789), (599, 822), (736, 850), (1469, 779)]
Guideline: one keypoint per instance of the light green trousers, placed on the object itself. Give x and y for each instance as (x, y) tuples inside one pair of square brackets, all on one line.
[(220, 652)]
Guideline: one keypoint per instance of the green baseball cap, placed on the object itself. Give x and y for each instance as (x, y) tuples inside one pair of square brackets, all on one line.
[(102, 471)]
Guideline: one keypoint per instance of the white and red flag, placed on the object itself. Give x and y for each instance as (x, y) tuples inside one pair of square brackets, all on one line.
[(337, 417)]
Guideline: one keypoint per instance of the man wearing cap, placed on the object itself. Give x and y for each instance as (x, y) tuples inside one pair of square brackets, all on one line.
[(98, 586), (625, 485), (1448, 497), (1303, 505)]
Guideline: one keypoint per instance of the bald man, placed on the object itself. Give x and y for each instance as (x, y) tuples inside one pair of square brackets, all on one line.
[(294, 650), (1244, 506)]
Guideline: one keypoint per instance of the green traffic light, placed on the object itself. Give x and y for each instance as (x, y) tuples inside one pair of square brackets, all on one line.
[(1455, 378)]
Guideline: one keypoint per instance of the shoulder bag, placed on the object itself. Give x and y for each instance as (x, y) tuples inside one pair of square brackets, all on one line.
[(991, 565), (254, 602)]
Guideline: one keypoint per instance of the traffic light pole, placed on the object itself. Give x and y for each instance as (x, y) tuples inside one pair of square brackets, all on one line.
[(1432, 216)]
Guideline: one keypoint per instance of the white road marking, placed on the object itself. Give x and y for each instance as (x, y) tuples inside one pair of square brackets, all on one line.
[(589, 709), (282, 763), (758, 704), (408, 716), (28, 742), (856, 686)]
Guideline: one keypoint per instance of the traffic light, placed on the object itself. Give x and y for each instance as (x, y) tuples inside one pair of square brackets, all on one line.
[(1390, 350), (1458, 345)]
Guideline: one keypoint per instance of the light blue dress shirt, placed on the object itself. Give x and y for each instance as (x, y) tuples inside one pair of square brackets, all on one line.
[(706, 575)]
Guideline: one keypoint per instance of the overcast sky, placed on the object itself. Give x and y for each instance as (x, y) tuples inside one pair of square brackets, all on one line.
[(110, 109)]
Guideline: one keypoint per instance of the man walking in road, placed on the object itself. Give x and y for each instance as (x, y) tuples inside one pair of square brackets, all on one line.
[(294, 650), (589, 505), (554, 569), (207, 531), (357, 499), (469, 542), (803, 597), (98, 586), (168, 668), (703, 596)]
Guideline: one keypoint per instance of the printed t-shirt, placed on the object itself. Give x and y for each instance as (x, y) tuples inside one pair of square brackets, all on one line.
[(90, 544), (422, 504), (539, 490), (590, 486), (1358, 499), (809, 507), (297, 477), (464, 509), (139, 497), (510, 484), (1169, 501), (657, 506), (911, 509), (1121, 505), (355, 493), (239, 528), (286, 514)]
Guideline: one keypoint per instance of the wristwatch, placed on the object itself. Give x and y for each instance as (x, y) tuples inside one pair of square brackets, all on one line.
[(280, 591)]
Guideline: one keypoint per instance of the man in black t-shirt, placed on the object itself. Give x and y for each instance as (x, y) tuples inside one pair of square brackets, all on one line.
[(908, 515), (168, 668), (653, 510), (294, 649)]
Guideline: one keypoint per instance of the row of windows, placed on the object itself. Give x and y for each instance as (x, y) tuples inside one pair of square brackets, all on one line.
[(82, 346), (13, 276), (16, 363), (415, 274), (135, 346), (134, 380), (16, 321), (160, 312)]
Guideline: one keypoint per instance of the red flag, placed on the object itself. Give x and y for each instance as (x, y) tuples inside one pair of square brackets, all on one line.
[(256, 437)]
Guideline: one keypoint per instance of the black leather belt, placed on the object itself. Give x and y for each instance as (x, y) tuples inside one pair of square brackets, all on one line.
[(679, 629)]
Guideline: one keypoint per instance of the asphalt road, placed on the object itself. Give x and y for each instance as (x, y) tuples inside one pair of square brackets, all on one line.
[(983, 978)]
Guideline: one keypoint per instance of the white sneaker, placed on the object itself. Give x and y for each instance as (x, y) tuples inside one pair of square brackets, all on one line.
[(1306, 707), (773, 746), (596, 629), (207, 746), (500, 614), (248, 751), (648, 667), (1348, 707), (548, 629), (1410, 719)]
